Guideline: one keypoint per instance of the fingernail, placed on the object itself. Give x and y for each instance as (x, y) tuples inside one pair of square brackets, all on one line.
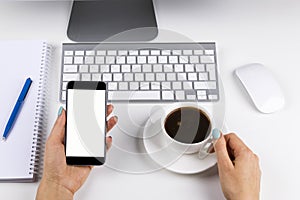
[(116, 118), (216, 133), (60, 111)]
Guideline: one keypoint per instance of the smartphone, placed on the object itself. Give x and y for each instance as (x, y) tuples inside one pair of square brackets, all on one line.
[(86, 123)]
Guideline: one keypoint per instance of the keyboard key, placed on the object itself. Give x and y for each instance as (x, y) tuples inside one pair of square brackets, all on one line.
[(104, 68), (139, 77), (166, 85), (183, 59), (194, 59), (152, 59), (179, 95), (110, 59), (94, 68), (144, 52), (85, 77), (155, 85), (181, 76), (141, 59), (189, 67), (162, 59), (171, 76), (147, 68), (134, 85), (96, 77), (149, 76), (100, 60), (90, 53), (63, 95), (78, 60), (187, 52), (207, 59), (115, 68), (121, 60), (187, 85), (64, 85), (167, 95), (133, 52), (166, 52), (201, 92), (144, 85), (111, 52), (176, 85), (68, 60), (210, 67), (202, 97), (131, 60), (203, 76), (123, 52), (123, 86), (136, 68), (178, 68), (118, 77), (212, 75), (209, 85), (199, 68), (134, 95), (176, 52), (198, 52), (112, 86), (192, 76), (157, 68), (168, 68), (155, 52), (191, 97), (79, 53), (107, 77), (128, 77), (213, 97), (101, 52), (70, 77), (70, 68), (125, 68), (83, 68), (173, 59), (160, 77), (209, 52), (89, 60), (68, 53)]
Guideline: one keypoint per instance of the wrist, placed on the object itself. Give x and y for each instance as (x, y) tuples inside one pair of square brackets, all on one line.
[(49, 190)]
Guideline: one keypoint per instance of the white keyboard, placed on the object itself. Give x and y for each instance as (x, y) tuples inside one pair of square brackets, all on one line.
[(144, 72)]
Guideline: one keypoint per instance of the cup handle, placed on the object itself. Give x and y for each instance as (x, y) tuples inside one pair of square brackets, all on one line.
[(206, 148)]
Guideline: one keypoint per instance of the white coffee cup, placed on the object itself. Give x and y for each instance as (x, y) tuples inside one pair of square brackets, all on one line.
[(158, 128)]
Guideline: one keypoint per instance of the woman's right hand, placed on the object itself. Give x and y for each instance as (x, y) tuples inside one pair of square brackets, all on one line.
[(238, 168)]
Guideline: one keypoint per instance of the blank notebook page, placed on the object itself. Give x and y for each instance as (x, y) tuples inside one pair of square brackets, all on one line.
[(19, 60)]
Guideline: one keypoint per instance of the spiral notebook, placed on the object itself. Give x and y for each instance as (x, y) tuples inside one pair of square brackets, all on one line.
[(20, 154)]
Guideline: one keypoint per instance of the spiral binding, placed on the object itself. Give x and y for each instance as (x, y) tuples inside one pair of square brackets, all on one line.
[(38, 141)]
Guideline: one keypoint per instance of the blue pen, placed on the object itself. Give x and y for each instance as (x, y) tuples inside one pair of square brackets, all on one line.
[(17, 108)]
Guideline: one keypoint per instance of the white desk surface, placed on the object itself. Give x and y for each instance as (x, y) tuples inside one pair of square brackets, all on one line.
[(267, 32)]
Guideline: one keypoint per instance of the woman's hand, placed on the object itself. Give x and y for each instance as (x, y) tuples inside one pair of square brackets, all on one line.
[(238, 168), (61, 181)]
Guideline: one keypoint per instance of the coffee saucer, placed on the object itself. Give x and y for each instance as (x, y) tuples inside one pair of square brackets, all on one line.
[(171, 159)]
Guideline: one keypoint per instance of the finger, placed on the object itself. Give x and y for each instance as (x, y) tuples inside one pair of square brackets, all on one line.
[(224, 162), (236, 145), (111, 123), (109, 109), (58, 131), (108, 142)]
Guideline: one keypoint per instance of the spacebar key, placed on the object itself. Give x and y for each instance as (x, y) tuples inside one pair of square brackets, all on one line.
[(134, 95)]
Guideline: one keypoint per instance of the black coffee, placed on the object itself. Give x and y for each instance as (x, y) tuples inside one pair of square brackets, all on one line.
[(187, 125)]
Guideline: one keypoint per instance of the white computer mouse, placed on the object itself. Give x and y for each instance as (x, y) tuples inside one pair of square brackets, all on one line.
[(262, 87)]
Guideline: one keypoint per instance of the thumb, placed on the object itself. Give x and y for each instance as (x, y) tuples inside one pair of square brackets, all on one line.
[(220, 147), (58, 132)]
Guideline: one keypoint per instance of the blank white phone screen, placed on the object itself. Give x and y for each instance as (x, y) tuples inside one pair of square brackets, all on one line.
[(85, 123)]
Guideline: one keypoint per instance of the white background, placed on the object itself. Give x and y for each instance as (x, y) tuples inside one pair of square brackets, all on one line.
[(245, 31)]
